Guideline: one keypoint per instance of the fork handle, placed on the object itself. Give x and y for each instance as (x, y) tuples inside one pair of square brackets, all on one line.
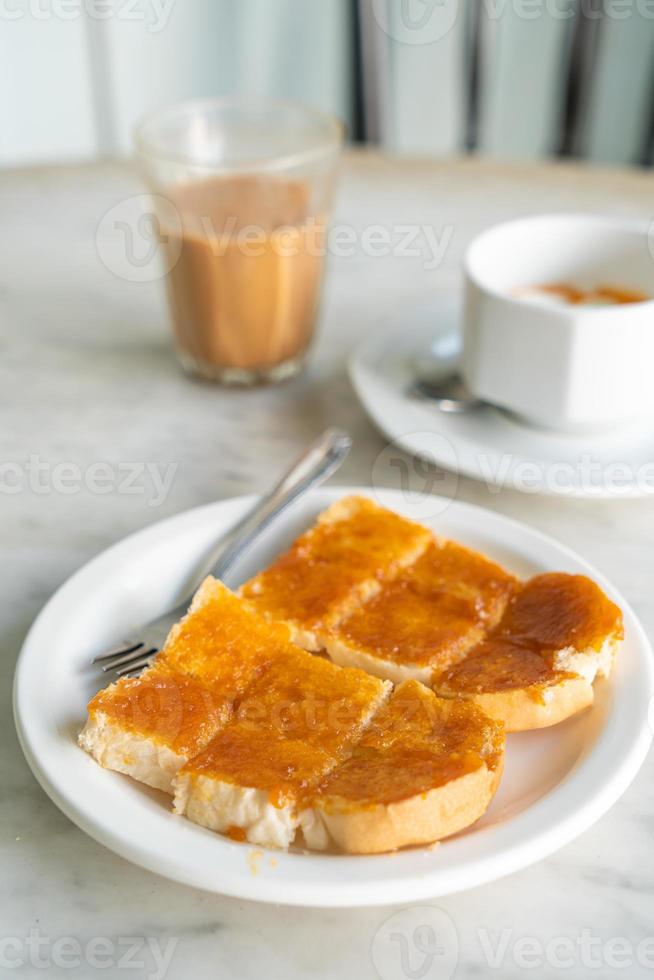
[(318, 461)]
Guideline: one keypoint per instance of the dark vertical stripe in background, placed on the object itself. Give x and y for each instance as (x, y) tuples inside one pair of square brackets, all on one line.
[(358, 133), (374, 76), (582, 59), (471, 61), (373, 104), (647, 154)]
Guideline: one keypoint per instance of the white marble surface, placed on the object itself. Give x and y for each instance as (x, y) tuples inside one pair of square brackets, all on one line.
[(87, 376)]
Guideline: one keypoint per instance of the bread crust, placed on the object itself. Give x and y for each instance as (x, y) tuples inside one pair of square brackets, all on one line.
[(420, 819), (542, 705), (527, 708), (347, 655)]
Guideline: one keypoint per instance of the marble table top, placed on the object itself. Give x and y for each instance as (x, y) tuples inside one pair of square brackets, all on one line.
[(87, 377)]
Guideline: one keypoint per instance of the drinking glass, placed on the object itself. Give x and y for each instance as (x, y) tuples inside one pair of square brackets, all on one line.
[(242, 189)]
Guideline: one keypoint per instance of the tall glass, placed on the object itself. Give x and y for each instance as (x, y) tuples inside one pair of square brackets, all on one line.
[(243, 189)]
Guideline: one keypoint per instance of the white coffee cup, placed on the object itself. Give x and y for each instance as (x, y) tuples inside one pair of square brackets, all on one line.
[(561, 366)]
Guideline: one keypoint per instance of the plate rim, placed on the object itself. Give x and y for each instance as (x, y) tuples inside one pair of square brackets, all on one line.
[(358, 362), (345, 893)]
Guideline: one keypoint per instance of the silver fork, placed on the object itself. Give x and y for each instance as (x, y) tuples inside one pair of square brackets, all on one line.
[(319, 460)]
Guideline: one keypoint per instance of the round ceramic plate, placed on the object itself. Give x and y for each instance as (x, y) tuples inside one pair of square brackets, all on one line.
[(556, 782), (489, 444)]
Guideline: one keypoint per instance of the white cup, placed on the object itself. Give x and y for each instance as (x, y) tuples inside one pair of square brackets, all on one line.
[(560, 366)]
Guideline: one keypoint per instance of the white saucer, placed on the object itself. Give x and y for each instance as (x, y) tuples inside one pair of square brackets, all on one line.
[(488, 444), (556, 782)]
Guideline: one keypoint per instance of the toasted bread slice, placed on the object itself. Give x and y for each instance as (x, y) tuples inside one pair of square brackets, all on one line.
[(343, 559), (222, 642), (538, 666), (295, 724), (148, 727), (427, 618), (425, 769)]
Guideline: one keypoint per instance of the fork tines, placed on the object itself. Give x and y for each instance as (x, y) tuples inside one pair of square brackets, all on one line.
[(139, 663), (127, 657)]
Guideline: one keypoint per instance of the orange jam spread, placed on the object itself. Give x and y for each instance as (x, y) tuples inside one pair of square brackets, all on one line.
[(556, 610), (354, 545), (170, 708), (222, 642), (434, 611), (552, 612), (295, 723), (416, 743), (306, 697), (500, 664), (282, 767)]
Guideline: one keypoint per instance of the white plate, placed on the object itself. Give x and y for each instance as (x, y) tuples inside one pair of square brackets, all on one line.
[(556, 782), (491, 445)]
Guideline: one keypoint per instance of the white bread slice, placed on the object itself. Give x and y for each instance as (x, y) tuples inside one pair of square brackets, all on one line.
[(138, 756), (241, 812), (148, 727), (559, 633), (426, 768), (354, 546), (222, 642), (296, 723)]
